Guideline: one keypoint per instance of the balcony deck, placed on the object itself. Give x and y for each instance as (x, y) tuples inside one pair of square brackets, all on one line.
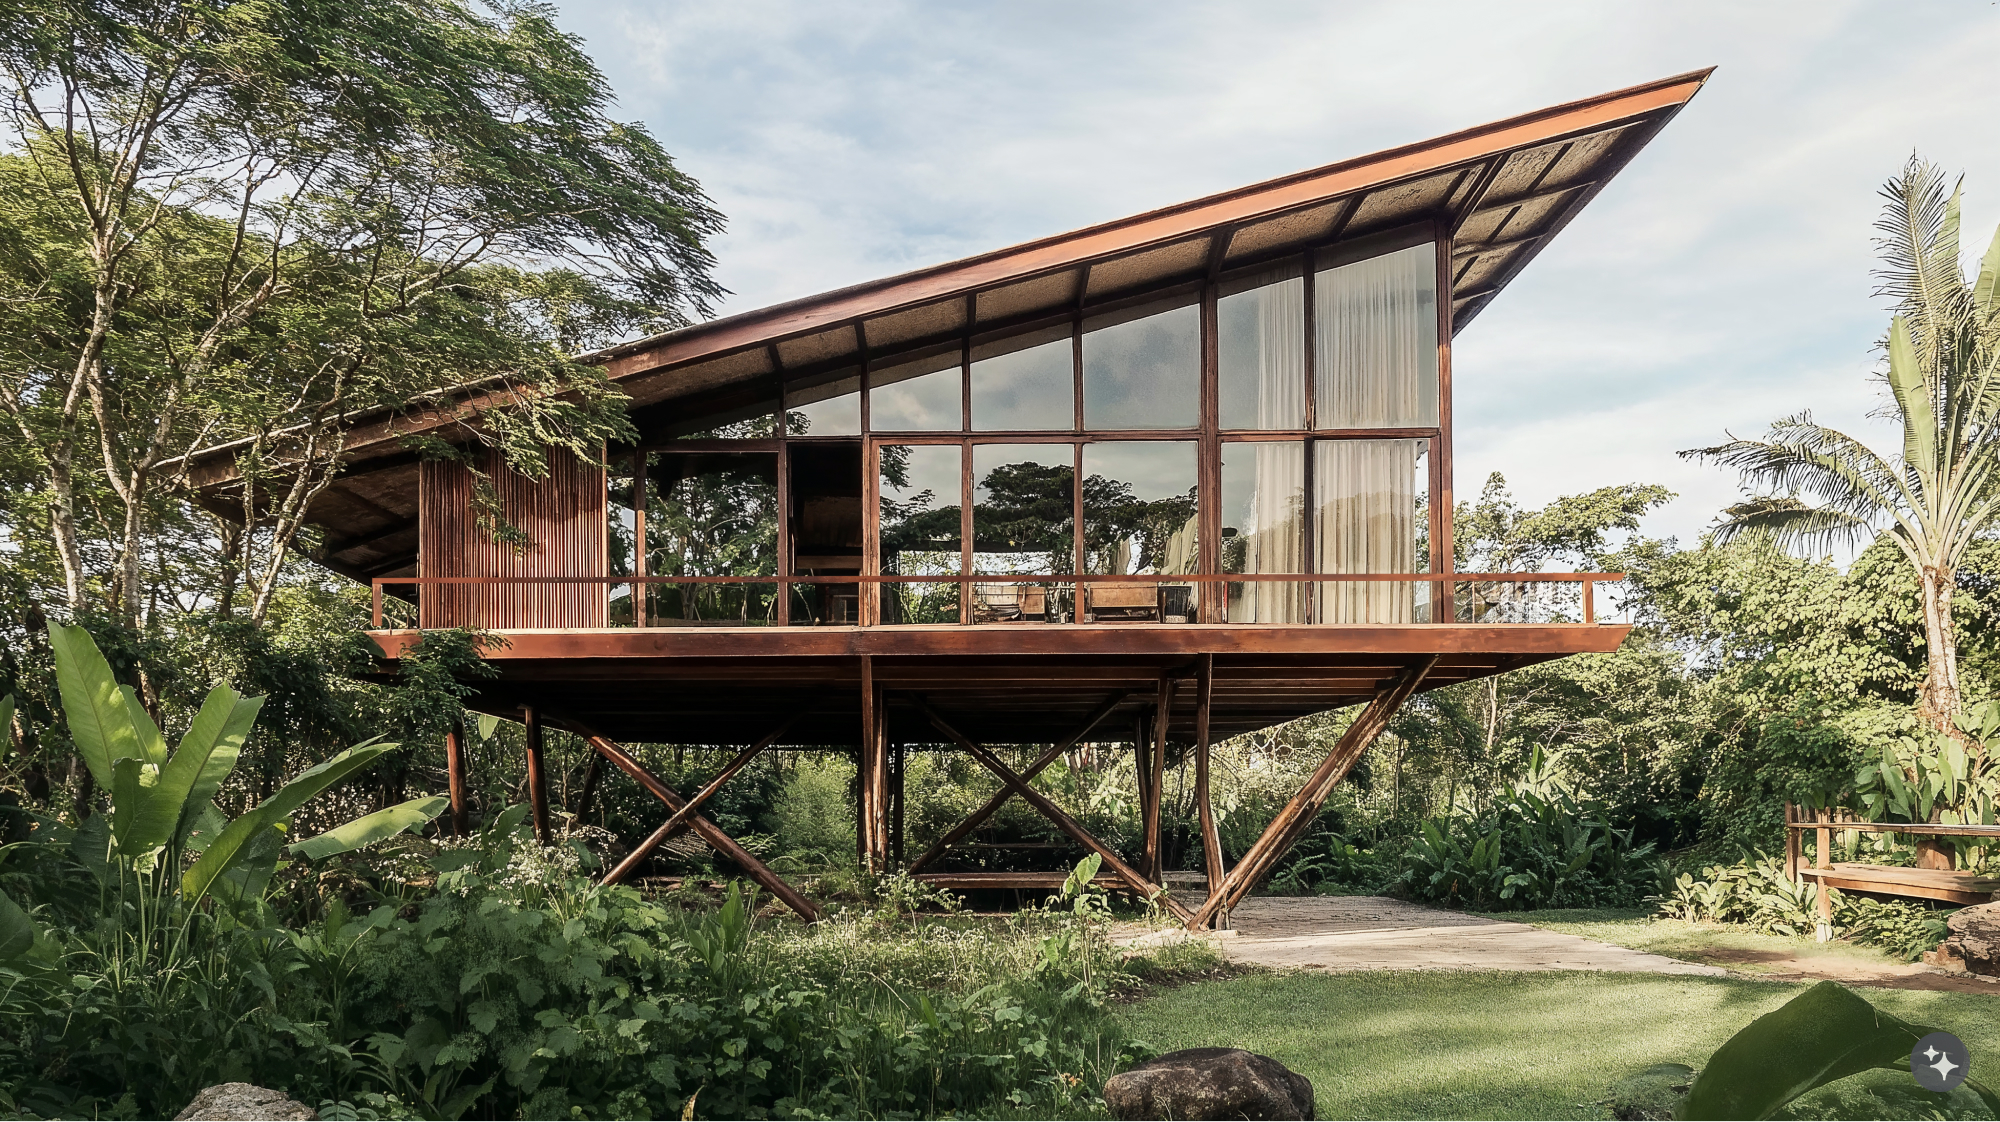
[(999, 683)]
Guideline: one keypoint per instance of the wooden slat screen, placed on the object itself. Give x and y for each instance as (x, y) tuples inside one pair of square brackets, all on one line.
[(564, 518)]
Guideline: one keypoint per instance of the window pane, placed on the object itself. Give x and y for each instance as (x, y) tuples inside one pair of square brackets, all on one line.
[(1263, 528), (1027, 382), (922, 396), (1024, 510), (1023, 521), (750, 420), (1143, 372), (1376, 328), (918, 516), (826, 408), (711, 514), (1261, 353), (1139, 517), (1365, 521)]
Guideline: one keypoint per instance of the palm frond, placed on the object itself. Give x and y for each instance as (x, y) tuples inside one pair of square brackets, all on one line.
[(1792, 524), (1919, 253)]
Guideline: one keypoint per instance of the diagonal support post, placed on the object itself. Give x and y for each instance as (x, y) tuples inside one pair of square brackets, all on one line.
[(1297, 816), (978, 817), (1055, 814), (680, 818), (708, 831)]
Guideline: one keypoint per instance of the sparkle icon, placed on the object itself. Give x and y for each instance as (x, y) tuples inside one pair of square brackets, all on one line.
[(1939, 1061)]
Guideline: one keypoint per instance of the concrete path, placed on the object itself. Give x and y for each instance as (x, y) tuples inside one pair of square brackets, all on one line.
[(1340, 933)]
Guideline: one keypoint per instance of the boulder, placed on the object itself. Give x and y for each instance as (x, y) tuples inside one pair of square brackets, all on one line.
[(1974, 943), (1202, 1083), (229, 1102)]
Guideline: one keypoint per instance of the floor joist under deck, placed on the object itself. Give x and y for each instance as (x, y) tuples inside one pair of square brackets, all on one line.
[(1003, 685)]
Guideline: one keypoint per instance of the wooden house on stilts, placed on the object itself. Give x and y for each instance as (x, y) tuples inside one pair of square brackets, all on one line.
[(1167, 479)]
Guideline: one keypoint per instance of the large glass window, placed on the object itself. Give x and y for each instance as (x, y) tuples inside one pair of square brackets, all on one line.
[(830, 407), (1025, 382), (712, 514), (1261, 351), (1142, 369), (918, 512), (1375, 327), (1024, 523), (925, 395), (1140, 516), (1365, 520), (1263, 528)]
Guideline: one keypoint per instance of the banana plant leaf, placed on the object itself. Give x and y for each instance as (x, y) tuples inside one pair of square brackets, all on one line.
[(221, 761), (1824, 1034), (17, 932), (227, 848), (6, 726), (152, 822), (99, 723), (370, 828), (151, 741)]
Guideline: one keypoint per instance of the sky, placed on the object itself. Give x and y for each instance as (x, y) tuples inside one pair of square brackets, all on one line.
[(1720, 282)]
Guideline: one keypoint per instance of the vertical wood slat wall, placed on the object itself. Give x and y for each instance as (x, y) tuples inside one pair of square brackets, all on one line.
[(564, 517)]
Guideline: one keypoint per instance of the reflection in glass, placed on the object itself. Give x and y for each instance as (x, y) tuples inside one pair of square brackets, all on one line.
[(1261, 352), (1139, 517), (1025, 382), (918, 512), (1375, 323), (711, 514), (926, 395), (1143, 372), (1365, 520), (750, 421), (1263, 528), (826, 408), (1023, 521)]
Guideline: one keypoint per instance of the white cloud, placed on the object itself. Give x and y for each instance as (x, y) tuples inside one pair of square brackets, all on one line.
[(1721, 282)]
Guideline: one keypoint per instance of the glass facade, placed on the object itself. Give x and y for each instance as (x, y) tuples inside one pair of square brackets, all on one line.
[(1277, 423)]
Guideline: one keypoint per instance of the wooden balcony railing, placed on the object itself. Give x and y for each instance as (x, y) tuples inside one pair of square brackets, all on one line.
[(1475, 598)]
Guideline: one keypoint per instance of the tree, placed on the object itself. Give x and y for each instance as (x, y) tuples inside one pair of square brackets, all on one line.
[(1939, 494), (241, 222)]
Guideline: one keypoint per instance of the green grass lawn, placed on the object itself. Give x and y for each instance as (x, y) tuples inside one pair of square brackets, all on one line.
[(1731, 945), (1550, 1045)]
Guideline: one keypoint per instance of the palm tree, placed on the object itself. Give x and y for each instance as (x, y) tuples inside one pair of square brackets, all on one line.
[(1815, 487)]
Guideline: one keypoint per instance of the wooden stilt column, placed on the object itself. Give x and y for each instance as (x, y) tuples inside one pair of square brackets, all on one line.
[(591, 771), (454, 763), (1211, 841), (874, 774), (977, 817), (538, 787), (899, 761), (1142, 768), (1156, 776), (1297, 816)]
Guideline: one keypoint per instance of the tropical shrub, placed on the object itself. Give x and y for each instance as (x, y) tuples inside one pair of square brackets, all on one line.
[(1326, 863), (1530, 849), (1756, 892)]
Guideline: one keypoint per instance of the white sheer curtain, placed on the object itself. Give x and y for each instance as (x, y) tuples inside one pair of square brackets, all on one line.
[(1273, 536), (1365, 521), (1272, 526), (1376, 327)]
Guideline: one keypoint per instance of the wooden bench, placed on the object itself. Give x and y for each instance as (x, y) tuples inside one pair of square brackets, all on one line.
[(1951, 886)]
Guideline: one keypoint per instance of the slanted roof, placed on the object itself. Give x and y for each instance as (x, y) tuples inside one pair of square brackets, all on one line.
[(1500, 191)]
